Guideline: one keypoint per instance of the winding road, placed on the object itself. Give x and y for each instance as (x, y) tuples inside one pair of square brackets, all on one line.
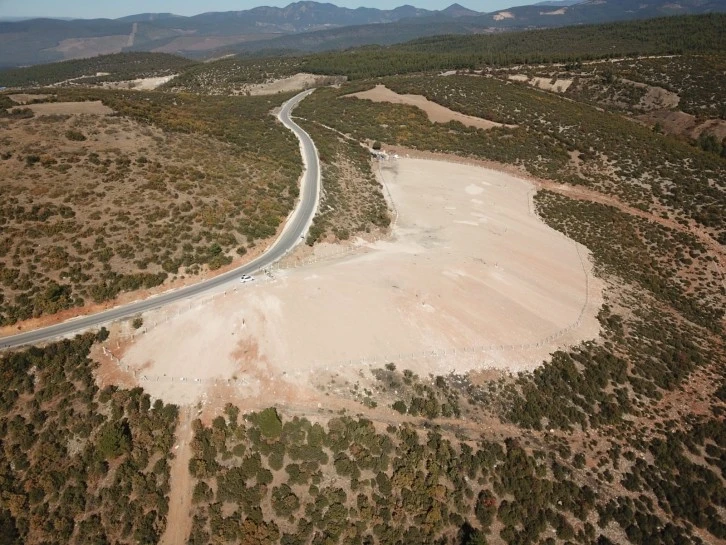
[(293, 232)]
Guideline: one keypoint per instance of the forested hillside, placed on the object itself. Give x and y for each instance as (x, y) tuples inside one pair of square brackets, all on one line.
[(118, 67), (673, 35), (157, 188)]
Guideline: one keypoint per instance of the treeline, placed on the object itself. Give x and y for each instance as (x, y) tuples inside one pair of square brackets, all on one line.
[(671, 35), (227, 75), (120, 67)]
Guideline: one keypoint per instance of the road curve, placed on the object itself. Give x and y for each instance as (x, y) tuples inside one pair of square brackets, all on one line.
[(293, 232)]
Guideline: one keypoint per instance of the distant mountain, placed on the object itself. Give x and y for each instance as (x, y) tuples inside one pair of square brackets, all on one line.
[(18, 19), (46, 40), (457, 10), (356, 36), (545, 15), (558, 3), (304, 26), (550, 14), (148, 17)]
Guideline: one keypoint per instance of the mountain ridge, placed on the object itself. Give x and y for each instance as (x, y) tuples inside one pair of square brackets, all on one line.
[(304, 26)]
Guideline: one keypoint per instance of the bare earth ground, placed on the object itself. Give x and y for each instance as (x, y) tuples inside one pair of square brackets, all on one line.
[(24, 98), (298, 82), (548, 84), (141, 84), (435, 112), (180, 505), (656, 97), (470, 279), (676, 122), (70, 108)]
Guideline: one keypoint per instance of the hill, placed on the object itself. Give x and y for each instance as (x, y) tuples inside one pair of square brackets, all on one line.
[(301, 26), (117, 67), (44, 40), (594, 11)]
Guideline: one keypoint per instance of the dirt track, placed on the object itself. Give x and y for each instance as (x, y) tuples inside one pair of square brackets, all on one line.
[(179, 520)]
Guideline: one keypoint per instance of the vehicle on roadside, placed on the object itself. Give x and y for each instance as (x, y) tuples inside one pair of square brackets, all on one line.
[(245, 278)]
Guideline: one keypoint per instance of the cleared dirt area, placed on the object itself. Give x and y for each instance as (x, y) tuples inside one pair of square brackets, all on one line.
[(24, 98), (141, 84), (470, 279), (298, 82), (554, 84), (676, 122), (435, 112), (70, 108), (655, 97)]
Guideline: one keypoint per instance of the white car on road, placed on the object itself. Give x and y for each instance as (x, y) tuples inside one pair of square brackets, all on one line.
[(246, 278)]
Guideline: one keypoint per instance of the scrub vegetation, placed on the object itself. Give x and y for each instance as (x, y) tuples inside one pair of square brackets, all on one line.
[(620, 440), (168, 187)]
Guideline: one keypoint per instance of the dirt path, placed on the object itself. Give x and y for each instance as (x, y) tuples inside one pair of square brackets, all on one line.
[(179, 520), (132, 36)]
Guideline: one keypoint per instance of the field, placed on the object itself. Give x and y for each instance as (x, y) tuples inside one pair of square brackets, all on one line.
[(509, 334)]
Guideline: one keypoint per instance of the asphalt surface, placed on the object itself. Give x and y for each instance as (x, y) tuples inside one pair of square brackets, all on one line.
[(293, 233)]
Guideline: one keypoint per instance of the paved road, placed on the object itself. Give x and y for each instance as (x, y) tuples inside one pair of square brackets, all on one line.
[(295, 229)]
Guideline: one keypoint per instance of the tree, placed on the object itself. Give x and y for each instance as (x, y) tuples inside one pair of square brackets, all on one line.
[(471, 536), (486, 506), (114, 440), (400, 406), (269, 422), (8, 532)]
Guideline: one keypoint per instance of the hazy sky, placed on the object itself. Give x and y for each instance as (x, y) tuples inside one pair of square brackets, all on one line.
[(109, 8)]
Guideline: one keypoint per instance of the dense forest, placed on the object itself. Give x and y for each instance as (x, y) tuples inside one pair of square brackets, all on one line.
[(79, 464), (117, 67), (673, 35)]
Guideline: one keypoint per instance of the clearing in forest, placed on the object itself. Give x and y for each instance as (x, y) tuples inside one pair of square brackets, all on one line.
[(470, 278), (435, 112)]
